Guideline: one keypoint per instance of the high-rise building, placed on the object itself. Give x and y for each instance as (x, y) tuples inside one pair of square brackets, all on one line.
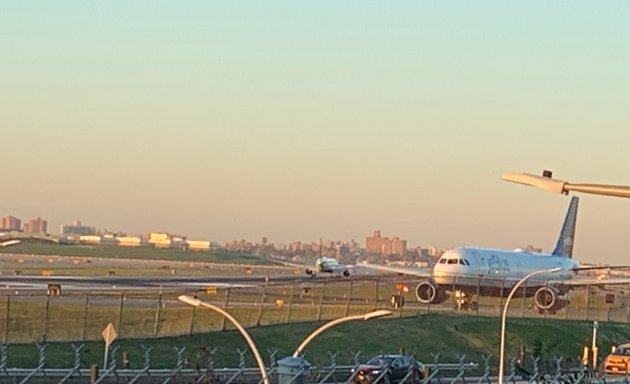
[(77, 229), (36, 226), (10, 223), (384, 245)]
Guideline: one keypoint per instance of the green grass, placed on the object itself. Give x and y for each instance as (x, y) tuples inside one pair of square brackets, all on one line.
[(451, 336), (143, 253)]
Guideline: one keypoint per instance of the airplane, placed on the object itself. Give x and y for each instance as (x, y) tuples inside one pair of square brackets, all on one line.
[(322, 265), (466, 272), (8, 243), (329, 265), (564, 187)]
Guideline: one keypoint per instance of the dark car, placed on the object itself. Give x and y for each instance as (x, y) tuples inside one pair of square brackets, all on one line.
[(388, 369)]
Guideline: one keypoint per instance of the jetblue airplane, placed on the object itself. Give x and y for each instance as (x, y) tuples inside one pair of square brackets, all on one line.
[(467, 272)]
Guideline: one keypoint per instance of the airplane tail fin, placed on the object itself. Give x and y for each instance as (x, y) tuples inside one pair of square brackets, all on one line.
[(564, 246)]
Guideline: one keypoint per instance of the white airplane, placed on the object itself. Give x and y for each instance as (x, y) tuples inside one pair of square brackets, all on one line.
[(322, 265), (329, 265), (467, 272), (560, 186)]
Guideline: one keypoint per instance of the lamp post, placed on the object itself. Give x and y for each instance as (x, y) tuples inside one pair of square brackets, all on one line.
[(198, 303), (315, 333), (505, 308)]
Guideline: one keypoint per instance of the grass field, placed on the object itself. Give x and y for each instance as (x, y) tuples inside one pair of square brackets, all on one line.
[(451, 336), (140, 253)]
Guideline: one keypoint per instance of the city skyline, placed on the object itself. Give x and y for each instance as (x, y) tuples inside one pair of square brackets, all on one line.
[(297, 121)]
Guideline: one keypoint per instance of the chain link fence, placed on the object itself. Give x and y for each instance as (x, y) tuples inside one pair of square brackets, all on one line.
[(80, 315)]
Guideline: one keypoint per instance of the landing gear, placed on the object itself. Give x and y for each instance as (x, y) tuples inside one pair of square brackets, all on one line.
[(464, 302)]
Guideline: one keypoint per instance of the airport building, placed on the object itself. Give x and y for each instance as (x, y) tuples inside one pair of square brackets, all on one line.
[(129, 241), (164, 240), (377, 244)]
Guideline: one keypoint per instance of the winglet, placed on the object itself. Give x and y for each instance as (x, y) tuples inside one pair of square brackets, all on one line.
[(564, 246)]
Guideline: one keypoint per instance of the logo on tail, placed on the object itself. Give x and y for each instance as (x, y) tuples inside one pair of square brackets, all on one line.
[(564, 246)]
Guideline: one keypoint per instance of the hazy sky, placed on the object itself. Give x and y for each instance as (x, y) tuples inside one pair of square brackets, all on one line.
[(299, 120)]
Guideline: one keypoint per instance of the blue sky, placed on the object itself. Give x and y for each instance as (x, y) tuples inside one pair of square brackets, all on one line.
[(297, 120)]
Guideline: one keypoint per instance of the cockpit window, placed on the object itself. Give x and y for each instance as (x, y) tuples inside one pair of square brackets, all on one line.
[(452, 261), (461, 261), (442, 261)]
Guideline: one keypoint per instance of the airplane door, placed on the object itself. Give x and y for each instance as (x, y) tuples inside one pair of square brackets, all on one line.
[(478, 263)]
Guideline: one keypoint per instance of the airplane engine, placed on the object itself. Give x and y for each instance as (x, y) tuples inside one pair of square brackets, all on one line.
[(550, 299), (428, 292)]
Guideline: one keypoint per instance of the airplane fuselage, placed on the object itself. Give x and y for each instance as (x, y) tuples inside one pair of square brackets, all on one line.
[(329, 265), (467, 266)]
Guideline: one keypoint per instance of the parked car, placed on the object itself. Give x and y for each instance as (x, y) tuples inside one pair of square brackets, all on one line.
[(393, 369), (617, 363)]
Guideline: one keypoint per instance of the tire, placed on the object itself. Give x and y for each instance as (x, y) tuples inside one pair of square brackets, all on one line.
[(416, 378)]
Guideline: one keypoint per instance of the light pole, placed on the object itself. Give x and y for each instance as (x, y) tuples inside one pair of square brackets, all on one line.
[(505, 308), (315, 333), (198, 303)]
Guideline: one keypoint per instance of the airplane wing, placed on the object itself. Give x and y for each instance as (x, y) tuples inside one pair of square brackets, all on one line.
[(586, 281), (287, 263), (411, 271), (564, 187), (343, 267)]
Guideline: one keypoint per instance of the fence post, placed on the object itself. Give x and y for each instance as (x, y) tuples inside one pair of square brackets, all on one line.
[(290, 303), (262, 304), (192, 321), (45, 336), (348, 298), (588, 301), (157, 315), (225, 306), (321, 302), (376, 293), (6, 320), (120, 313), (85, 314)]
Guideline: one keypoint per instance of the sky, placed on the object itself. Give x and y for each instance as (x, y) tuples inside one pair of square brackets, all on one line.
[(305, 120)]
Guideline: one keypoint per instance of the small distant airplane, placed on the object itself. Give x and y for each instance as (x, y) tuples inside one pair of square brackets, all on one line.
[(467, 272), (8, 243), (322, 265), (560, 186), (329, 265)]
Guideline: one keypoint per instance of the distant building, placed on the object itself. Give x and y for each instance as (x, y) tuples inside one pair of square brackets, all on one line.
[(160, 239), (377, 244), (198, 245), (129, 241), (36, 226), (10, 223), (78, 229), (90, 239)]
